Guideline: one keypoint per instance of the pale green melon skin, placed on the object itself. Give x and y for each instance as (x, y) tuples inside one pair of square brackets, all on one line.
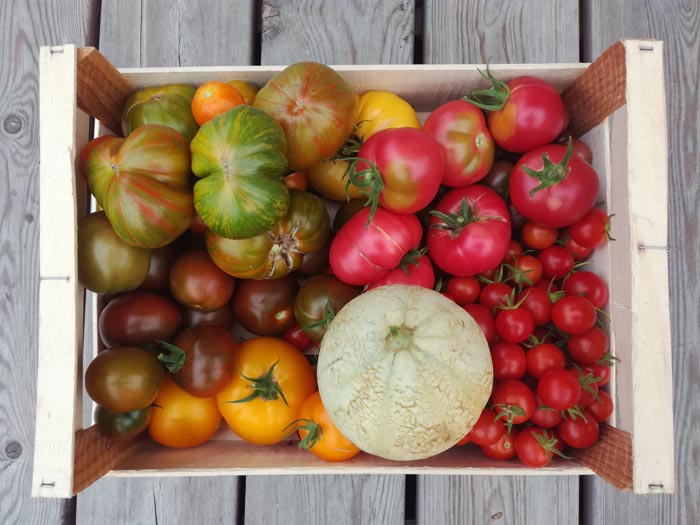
[(405, 398)]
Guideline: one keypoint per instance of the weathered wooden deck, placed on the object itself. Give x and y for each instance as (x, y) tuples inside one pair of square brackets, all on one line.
[(217, 32)]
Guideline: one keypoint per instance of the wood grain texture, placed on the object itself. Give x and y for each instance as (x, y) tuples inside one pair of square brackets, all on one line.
[(320, 500), (506, 31), (25, 26), (676, 23), (354, 32)]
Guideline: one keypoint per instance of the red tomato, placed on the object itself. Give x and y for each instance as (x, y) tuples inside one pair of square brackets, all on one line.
[(494, 295), (514, 325), (469, 231), (581, 432), (465, 290), (556, 262), (509, 361), (599, 370), (502, 449), (544, 357), (296, 180), (534, 447), (551, 187), (580, 148), (484, 319), (589, 285), (537, 236), (602, 409), (363, 252), (197, 225), (538, 303), (589, 347), (526, 270), (486, 430), (403, 171), (515, 400), (558, 389), (573, 314), (544, 416), (460, 128), (298, 338), (579, 252), (523, 114), (412, 270), (593, 230), (515, 250)]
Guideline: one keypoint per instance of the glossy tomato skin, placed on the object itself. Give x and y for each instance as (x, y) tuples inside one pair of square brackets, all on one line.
[(316, 261), (502, 449), (509, 361), (484, 319), (529, 450), (296, 336), (316, 296), (180, 420), (579, 432), (465, 290), (265, 307), (475, 244), (347, 210), (537, 236), (460, 128), (513, 392), (411, 165), (378, 110), (420, 273), (247, 89), (514, 325), (121, 425), (168, 105), (562, 203), (210, 354), (558, 389), (315, 107), (486, 430), (196, 282), (556, 261), (221, 317), (538, 303), (137, 318), (332, 445), (544, 416), (589, 347), (212, 99), (533, 115), (593, 230), (257, 420), (124, 378), (588, 284), (158, 278), (544, 357), (494, 295), (498, 177), (361, 254), (602, 409), (573, 314), (296, 180)]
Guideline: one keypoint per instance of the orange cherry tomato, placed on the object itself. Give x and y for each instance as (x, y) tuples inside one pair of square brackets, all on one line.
[(319, 435), (212, 99), (180, 420), (247, 89), (272, 381), (296, 180)]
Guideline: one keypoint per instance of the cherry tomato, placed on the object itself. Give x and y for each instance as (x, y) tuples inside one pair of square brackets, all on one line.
[(514, 399), (580, 148), (588, 395), (592, 230), (486, 430), (589, 347), (526, 270), (544, 357), (515, 250), (581, 432), (197, 282), (509, 361), (603, 409), (538, 303), (573, 314), (414, 270), (556, 262), (484, 319), (296, 180), (494, 295), (545, 416), (514, 325), (534, 447), (469, 231), (537, 236), (558, 389), (599, 370), (579, 252), (214, 98), (589, 285), (502, 449), (296, 336), (465, 290), (265, 307)]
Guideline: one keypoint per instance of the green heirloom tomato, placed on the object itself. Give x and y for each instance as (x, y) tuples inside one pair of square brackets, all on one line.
[(169, 105), (239, 157), (106, 264), (280, 250), (121, 425)]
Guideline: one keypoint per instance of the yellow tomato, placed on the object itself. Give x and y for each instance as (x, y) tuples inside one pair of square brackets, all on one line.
[(247, 89), (180, 420), (272, 382), (378, 110), (319, 435), (328, 177)]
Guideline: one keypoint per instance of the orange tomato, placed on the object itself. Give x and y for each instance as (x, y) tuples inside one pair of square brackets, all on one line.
[(247, 89), (180, 420), (319, 435), (214, 98), (265, 396), (296, 180)]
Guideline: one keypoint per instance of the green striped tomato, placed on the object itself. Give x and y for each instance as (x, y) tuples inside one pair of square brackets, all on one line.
[(239, 158)]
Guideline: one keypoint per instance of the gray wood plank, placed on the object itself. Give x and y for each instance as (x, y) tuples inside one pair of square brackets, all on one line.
[(321, 500), (677, 24), (25, 26), (509, 31), (357, 32), (151, 34)]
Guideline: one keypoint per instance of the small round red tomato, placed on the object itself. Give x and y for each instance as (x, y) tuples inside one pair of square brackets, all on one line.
[(265, 307), (502, 449), (400, 169), (414, 269), (538, 303), (544, 357), (318, 301), (469, 231), (589, 285), (545, 416), (556, 262), (515, 400), (494, 295), (579, 252), (573, 314), (523, 114), (599, 370), (589, 347), (296, 180), (526, 270), (551, 187), (558, 389), (296, 336), (593, 230), (579, 432), (537, 236), (210, 354), (197, 282), (534, 447), (486, 430), (588, 394), (465, 290), (484, 319), (514, 325), (515, 250), (460, 128), (602, 409), (364, 250), (509, 361)]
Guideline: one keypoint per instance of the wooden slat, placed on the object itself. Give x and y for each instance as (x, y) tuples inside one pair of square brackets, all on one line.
[(25, 26), (474, 31), (676, 23), (506, 31), (357, 32), (182, 33)]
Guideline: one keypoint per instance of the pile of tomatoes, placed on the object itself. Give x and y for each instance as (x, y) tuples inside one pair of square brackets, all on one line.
[(231, 210)]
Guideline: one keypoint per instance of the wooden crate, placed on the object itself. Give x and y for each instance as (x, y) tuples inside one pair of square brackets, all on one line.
[(617, 104)]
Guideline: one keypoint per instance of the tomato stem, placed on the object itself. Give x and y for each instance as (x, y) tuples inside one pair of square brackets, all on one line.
[(174, 360), (455, 222), (509, 412), (492, 98), (264, 387), (313, 432), (411, 257), (369, 181), (548, 443), (551, 173), (325, 321)]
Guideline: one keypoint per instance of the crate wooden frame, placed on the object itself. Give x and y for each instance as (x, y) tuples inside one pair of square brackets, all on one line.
[(617, 103)]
